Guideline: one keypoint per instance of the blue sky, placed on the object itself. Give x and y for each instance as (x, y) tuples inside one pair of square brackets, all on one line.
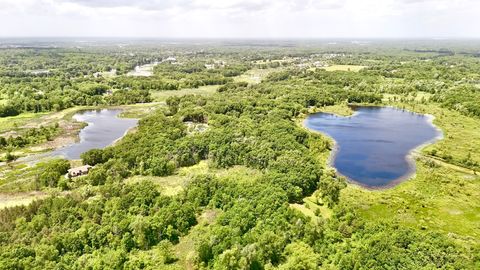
[(242, 18)]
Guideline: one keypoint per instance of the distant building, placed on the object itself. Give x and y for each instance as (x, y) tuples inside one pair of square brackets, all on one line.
[(220, 63), (170, 59), (79, 171), (40, 71)]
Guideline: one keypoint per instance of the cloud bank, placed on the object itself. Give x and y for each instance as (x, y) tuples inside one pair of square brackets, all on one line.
[(241, 18)]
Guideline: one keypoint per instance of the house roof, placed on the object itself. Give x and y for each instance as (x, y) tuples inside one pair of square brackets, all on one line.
[(83, 168)]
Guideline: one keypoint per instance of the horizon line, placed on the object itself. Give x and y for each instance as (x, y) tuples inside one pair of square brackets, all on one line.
[(242, 38)]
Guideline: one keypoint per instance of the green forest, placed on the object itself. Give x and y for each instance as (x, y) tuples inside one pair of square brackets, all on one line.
[(220, 173)]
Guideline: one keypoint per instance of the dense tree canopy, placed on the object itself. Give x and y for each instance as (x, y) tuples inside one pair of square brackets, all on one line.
[(107, 220)]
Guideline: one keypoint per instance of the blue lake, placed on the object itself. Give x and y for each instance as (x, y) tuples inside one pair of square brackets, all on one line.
[(104, 128), (373, 145)]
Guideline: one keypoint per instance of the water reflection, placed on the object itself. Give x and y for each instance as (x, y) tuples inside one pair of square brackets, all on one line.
[(373, 145), (104, 127)]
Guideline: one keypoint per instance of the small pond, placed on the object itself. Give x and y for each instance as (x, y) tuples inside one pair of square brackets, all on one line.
[(104, 128), (374, 144)]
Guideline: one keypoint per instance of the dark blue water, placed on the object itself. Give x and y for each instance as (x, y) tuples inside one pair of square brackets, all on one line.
[(373, 145), (104, 127)]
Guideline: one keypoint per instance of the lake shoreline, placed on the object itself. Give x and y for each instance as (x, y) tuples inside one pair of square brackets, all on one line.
[(73, 137), (71, 151), (409, 158)]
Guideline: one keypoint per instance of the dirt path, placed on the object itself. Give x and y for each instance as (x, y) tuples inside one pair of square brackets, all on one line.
[(445, 164)]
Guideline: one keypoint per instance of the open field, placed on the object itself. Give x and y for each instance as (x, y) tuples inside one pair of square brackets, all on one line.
[(139, 110), (435, 199), (161, 96), (339, 109), (344, 68), (13, 122), (415, 97), (174, 184), (313, 207), (185, 249), (255, 76), (11, 200)]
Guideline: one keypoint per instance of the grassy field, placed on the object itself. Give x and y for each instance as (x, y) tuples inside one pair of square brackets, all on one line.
[(339, 109), (185, 249), (139, 110), (17, 178), (13, 122), (11, 200), (255, 76), (161, 96), (416, 96), (173, 184), (313, 207), (344, 68), (435, 199)]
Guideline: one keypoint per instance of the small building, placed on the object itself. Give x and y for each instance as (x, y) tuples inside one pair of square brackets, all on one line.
[(78, 171), (210, 66), (170, 59)]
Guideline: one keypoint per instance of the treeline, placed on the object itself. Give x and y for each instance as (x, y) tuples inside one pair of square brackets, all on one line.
[(42, 80), (194, 73), (144, 83), (66, 96), (53, 80), (123, 97), (464, 99), (70, 63)]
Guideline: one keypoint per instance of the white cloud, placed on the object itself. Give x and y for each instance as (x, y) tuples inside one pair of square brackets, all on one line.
[(240, 18)]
